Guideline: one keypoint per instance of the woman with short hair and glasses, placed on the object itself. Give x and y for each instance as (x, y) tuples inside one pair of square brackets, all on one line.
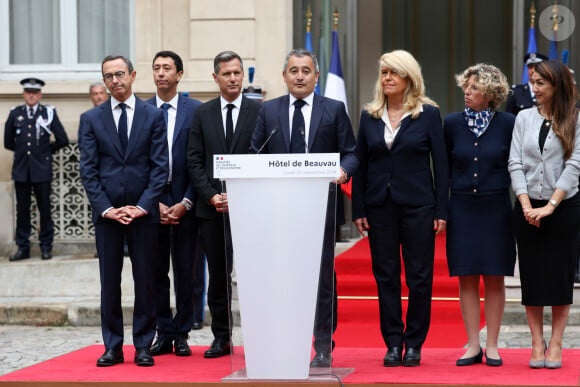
[(480, 238)]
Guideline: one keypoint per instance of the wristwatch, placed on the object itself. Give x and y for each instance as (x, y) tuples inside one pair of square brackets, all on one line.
[(186, 204), (554, 202)]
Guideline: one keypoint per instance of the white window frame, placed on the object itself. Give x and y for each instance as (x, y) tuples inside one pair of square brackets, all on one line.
[(69, 68)]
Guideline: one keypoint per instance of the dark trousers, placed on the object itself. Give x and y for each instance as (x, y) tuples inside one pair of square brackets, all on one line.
[(325, 320), (395, 229), (142, 239), (23, 200), (177, 243), (217, 243), (199, 281)]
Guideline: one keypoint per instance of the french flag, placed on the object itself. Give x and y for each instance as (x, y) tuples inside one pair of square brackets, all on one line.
[(335, 87)]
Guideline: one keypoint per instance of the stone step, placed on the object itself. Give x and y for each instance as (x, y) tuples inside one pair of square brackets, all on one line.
[(66, 290)]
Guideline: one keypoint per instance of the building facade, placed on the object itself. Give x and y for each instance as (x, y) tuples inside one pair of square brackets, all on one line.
[(63, 41)]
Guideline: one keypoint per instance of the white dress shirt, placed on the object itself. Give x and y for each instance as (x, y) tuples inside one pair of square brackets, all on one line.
[(306, 112), (235, 112), (130, 102), (171, 115)]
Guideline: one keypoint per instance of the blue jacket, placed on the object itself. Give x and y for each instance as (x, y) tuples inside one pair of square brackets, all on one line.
[(330, 132), (181, 183), (137, 178), (479, 165)]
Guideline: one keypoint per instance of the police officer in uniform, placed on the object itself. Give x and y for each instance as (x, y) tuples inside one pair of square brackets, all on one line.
[(27, 133), (522, 96)]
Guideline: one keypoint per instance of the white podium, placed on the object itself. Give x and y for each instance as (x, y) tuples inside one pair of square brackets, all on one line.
[(277, 209)]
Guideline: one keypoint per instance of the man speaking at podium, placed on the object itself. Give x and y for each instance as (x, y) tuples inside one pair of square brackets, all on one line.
[(303, 122)]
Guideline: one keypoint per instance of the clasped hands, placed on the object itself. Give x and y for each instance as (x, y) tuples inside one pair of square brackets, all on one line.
[(126, 214), (171, 215), (534, 215)]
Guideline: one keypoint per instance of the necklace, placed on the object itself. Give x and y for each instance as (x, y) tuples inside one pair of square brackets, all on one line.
[(395, 116)]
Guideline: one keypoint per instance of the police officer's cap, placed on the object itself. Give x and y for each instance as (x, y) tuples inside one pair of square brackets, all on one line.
[(32, 83), (534, 57)]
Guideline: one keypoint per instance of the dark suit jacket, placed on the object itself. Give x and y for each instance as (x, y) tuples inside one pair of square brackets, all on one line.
[(330, 132), (32, 156), (181, 183), (207, 137), (481, 169), (405, 169), (137, 178), (520, 98)]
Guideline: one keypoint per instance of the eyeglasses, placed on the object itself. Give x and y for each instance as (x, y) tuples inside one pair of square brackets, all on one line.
[(108, 77)]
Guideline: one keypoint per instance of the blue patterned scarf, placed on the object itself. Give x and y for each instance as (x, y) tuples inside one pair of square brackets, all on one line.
[(478, 122)]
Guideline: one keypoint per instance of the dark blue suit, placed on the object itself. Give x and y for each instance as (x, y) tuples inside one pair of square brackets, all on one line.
[(519, 99), (32, 168), (330, 132), (113, 178), (178, 241), (400, 195)]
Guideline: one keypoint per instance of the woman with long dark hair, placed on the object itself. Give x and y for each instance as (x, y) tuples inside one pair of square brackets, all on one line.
[(544, 166)]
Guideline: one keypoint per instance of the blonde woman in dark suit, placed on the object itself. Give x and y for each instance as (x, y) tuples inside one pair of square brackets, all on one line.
[(400, 201)]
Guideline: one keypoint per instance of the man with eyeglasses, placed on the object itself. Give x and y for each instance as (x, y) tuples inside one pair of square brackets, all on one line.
[(27, 132), (124, 168)]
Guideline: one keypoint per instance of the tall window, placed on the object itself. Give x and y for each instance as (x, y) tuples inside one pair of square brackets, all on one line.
[(63, 35)]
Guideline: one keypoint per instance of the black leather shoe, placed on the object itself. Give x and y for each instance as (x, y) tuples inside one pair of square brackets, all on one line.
[(394, 357), (161, 346), (412, 357), (110, 358), (467, 361), (322, 359), (197, 325), (143, 357), (219, 348), (181, 347), (19, 255), (46, 254), (492, 362)]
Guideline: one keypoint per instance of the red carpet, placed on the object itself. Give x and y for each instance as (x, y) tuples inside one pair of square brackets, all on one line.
[(358, 319), (437, 367)]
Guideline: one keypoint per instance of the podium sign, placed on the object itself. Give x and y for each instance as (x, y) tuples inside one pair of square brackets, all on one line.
[(277, 208)]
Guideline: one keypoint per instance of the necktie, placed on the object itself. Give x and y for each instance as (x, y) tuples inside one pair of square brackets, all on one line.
[(297, 142), (30, 112), (122, 127), (165, 108), (229, 125)]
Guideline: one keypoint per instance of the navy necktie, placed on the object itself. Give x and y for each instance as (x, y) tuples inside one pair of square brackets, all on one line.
[(229, 125), (165, 108), (297, 141), (30, 112), (122, 127)]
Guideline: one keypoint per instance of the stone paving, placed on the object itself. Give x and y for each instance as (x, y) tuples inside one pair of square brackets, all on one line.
[(22, 346)]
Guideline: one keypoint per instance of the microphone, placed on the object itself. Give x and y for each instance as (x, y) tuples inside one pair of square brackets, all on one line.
[(272, 133)]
